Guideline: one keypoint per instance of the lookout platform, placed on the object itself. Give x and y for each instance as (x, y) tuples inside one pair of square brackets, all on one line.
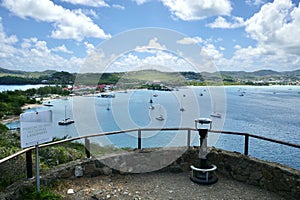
[(159, 185), (131, 175)]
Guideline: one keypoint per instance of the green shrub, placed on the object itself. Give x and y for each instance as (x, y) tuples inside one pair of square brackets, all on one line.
[(45, 194)]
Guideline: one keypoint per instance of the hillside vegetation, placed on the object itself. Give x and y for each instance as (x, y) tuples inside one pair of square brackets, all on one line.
[(133, 78)]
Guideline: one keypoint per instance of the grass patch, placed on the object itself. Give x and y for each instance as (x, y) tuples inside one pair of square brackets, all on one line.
[(44, 194)]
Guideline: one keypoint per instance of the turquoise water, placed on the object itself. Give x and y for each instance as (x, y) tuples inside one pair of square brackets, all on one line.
[(267, 111)]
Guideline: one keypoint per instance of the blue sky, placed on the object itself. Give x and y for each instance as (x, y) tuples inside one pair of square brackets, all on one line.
[(246, 35)]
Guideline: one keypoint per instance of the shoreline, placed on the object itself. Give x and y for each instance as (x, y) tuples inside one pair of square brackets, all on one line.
[(9, 119), (14, 118)]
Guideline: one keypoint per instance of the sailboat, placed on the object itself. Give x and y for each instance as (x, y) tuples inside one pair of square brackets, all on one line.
[(66, 121), (151, 107), (214, 113), (181, 108), (108, 109), (160, 117)]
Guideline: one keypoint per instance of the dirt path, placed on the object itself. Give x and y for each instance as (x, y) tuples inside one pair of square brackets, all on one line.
[(158, 186)]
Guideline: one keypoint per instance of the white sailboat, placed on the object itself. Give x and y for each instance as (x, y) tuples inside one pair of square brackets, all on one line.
[(66, 121), (214, 113), (160, 117), (181, 106)]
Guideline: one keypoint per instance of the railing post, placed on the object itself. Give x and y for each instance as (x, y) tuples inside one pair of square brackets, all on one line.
[(87, 147), (246, 147), (29, 163), (189, 138), (139, 139)]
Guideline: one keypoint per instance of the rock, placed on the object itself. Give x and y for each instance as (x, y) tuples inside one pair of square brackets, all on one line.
[(175, 169), (267, 174), (255, 175), (70, 191), (78, 171), (66, 174), (98, 192), (106, 170)]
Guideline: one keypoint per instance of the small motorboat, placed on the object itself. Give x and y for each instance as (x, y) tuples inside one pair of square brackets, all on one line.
[(216, 115), (48, 104), (160, 118)]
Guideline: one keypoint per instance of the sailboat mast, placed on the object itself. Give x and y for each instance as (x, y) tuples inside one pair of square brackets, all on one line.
[(65, 112)]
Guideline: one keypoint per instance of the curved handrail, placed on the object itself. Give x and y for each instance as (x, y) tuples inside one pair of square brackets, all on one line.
[(247, 135)]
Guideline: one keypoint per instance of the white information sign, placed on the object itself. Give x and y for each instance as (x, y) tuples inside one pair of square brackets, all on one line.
[(35, 128)]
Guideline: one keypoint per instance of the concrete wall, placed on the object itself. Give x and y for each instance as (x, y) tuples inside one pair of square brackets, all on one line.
[(270, 176)]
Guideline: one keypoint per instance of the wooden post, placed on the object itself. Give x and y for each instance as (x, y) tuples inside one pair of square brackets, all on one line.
[(29, 164), (246, 147), (87, 147), (139, 139)]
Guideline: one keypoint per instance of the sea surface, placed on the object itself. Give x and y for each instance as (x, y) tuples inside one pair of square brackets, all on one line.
[(269, 111), (19, 87)]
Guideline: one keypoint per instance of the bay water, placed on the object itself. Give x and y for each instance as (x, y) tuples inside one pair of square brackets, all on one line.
[(269, 111)]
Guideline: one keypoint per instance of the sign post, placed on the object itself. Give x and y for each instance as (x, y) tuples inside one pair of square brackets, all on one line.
[(35, 128), (37, 168)]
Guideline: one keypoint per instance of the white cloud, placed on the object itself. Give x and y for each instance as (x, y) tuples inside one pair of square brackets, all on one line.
[(222, 48), (237, 46), (89, 48), (140, 2), (190, 40), (32, 54), (118, 6), (6, 43), (257, 58), (92, 3), (159, 60), (89, 12), (221, 22), (62, 48), (255, 2), (211, 51), (4, 38), (152, 45), (276, 27), (68, 24), (196, 10)]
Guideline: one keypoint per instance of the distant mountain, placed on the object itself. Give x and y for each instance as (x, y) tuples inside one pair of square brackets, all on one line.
[(7, 71), (255, 73), (35, 74), (153, 75)]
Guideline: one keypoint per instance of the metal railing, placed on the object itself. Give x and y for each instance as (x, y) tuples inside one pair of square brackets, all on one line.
[(28, 151)]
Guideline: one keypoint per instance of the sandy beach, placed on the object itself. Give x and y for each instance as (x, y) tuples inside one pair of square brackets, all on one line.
[(13, 118), (9, 119), (28, 106)]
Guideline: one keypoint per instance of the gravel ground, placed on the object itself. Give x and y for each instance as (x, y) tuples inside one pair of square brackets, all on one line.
[(158, 186)]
